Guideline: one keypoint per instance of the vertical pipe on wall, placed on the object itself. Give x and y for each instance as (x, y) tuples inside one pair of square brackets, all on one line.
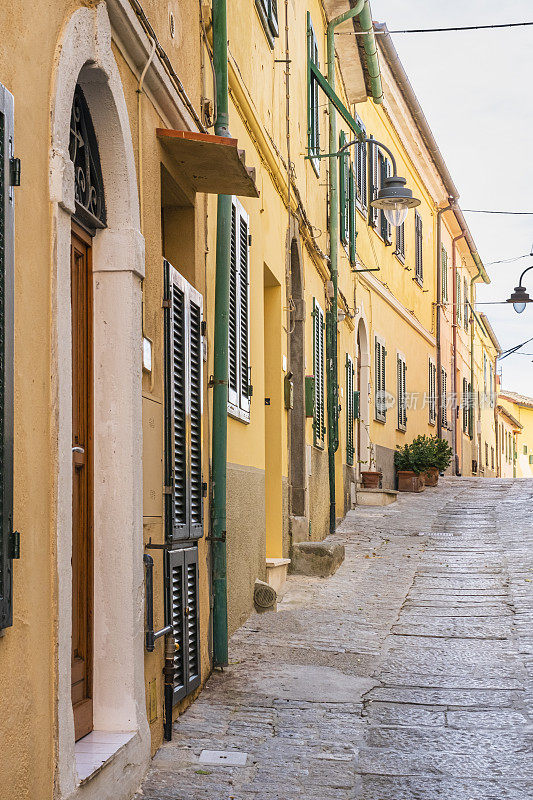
[(220, 359), (440, 212), (331, 313)]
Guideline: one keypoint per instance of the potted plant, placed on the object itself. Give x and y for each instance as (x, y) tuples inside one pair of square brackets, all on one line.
[(440, 456), (411, 461), (371, 478)]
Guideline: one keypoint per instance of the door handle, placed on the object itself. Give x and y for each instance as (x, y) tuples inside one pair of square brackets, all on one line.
[(78, 450)]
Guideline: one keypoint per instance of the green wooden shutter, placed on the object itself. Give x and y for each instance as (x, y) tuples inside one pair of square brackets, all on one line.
[(183, 615), (313, 119), (7, 264), (318, 368), (244, 314), (233, 371), (458, 298), (273, 17), (352, 217), (470, 421), (465, 405), (361, 169), (379, 391), (444, 389), (183, 408), (419, 265), (349, 410), (401, 391), (239, 315), (373, 182), (444, 274), (344, 191), (465, 301)]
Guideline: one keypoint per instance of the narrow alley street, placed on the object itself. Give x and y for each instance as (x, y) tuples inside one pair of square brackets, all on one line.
[(405, 676)]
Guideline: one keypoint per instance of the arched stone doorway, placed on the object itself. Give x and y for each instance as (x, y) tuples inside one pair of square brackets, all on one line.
[(85, 60), (297, 422), (363, 387)]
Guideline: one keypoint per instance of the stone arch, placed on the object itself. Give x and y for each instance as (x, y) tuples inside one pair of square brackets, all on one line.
[(85, 56), (297, 422), (363, 386)]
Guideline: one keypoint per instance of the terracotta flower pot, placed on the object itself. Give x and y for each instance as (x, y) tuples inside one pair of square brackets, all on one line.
[(431, 476), (370, 479), (409, 481)]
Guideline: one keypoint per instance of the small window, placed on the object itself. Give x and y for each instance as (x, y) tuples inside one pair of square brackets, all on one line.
[(380, 400), (458, 299), (486, 454), (268, 13), (313, 118), (525, 449), (319, 415), (466, 305), (239, 390), (419, 266), (531, 459), (401, 392), (399, 252), (444, 273)]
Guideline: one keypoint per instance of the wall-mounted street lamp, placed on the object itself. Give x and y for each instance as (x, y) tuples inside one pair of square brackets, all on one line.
[(520, 297), (394, 198)]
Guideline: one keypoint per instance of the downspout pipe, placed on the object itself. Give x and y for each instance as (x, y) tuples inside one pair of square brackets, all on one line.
[(455, 427), (361, 9), (331, 313), (440, 212), (220, 358)]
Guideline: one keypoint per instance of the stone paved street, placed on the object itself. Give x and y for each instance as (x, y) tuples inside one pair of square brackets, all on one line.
[(405, 676)]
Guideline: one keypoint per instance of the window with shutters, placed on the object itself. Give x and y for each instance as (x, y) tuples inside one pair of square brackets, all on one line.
[(183, 408), (401, 391), (466, 307), (7, 243), (372, 166), (313, 116), (432, 391), (444, 273), (491, 385), (444, 398), (465, 406), (470, 411), (239, 316), (352, 233), (485, 364), (458, 299), (419, 263), (319, 415), (349, 410), (385, 228), (399, 251), (183, 614), (380, 398), (361, 169), (268, 13), (486, 454), (344, 192)]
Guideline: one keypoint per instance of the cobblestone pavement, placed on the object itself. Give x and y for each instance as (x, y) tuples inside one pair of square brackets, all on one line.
[(405, 676)]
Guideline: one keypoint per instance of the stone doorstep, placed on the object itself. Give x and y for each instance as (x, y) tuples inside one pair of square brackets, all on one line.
[(375, 497), (276, 572)]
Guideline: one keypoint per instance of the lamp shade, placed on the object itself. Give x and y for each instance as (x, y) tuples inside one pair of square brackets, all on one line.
[(395, 199), (519, 298)]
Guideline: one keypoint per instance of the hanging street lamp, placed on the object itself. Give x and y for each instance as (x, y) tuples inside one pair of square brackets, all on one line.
[(520, 297), (394, 198)]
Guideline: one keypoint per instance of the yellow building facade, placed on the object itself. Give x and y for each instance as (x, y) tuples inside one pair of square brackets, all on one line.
[(521, 408)]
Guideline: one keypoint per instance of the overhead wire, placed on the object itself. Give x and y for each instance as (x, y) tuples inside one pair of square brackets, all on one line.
[(438, 30)]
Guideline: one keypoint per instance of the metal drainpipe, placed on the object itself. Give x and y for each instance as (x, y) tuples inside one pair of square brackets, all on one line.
[(331, 313), (440, 212), (454, 371), (472, 341), (220, 358)]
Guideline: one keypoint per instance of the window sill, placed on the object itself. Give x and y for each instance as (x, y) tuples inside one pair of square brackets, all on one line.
[(97, 749), (382, 421), (399, 258), (419, 283), (238, 414), (401, 430)]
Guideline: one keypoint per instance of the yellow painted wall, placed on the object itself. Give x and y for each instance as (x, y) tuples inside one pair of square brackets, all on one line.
[(524, 414)]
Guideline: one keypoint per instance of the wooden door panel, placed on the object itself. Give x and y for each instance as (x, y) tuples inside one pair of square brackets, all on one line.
[(82, 543)]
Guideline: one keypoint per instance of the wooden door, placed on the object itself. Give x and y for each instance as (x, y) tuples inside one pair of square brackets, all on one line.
[(82, 507)]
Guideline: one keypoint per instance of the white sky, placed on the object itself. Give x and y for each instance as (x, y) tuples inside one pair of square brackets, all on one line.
[(476, 91)]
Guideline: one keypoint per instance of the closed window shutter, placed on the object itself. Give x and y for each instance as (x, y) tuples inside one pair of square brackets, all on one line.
[(313, 119), (183, 408), (444, 275), (432, 392), (465, 300), (318, 365), (239, 315), (444, 389), (379, 398), (401, 391), (7, 244), (458, 299), (273, 17), (470, 419), (352, 227), (361, 169), (400, 241), (343, 191), (183, 615), (465, 405), (419, 267), (384, 172), (373, 182), (349, 410)]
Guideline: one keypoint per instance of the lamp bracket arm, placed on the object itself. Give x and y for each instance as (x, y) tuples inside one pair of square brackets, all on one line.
[(376, 144), (522, 275)]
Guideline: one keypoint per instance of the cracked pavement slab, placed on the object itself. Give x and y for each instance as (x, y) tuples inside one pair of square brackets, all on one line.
[(405, 676)]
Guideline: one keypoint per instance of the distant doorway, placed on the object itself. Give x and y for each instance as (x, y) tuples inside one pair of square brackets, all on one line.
[(273, 416)]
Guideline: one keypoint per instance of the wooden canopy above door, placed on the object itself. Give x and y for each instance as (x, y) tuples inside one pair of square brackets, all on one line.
[(212, 164)]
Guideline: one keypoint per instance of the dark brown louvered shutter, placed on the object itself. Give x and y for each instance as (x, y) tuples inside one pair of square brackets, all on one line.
[(361, 159), (192, 620), (352, 233), (7, 249), (176, 617), (318, 369), (373, 182), (195, 400), (183, 408), (349, 410), (343, 191), (273, 18)]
